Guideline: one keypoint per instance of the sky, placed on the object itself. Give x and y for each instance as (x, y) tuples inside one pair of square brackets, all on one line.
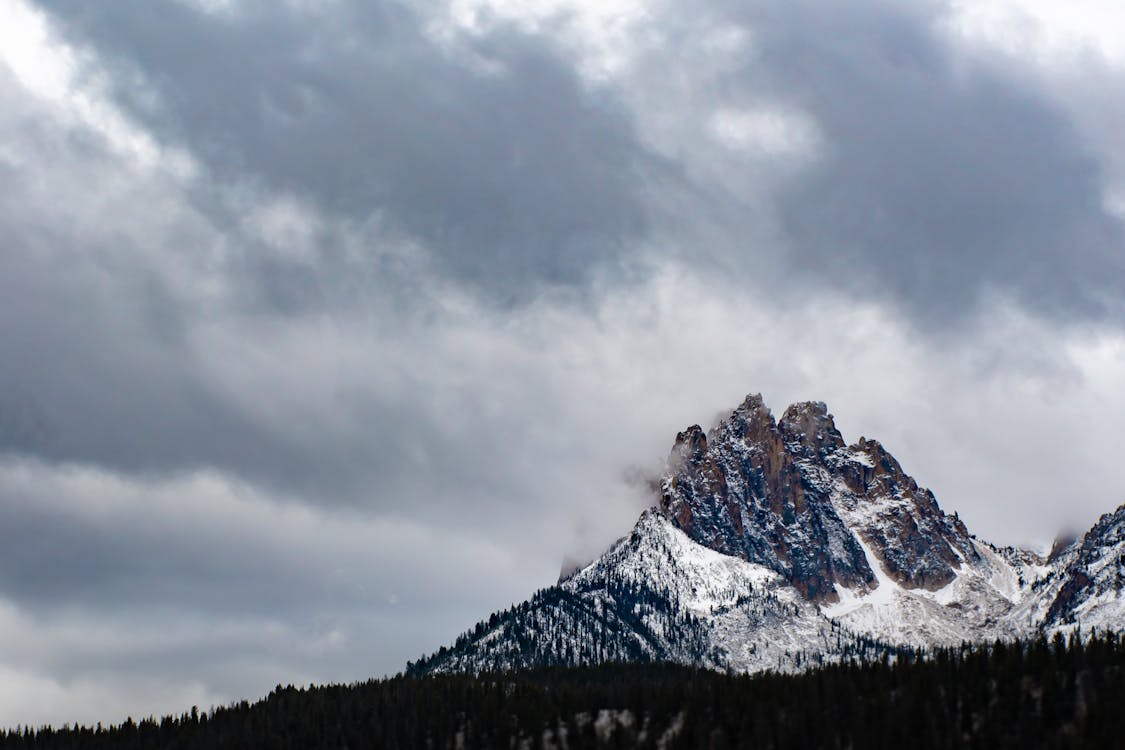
[(327, 329)]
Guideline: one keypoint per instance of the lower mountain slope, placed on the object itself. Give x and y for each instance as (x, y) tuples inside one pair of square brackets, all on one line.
[(658, 596)]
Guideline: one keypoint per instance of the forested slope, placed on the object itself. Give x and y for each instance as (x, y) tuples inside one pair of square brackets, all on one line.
[(1054, 694)]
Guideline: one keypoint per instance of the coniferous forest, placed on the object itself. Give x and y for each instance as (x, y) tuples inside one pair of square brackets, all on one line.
[(1063, 693)]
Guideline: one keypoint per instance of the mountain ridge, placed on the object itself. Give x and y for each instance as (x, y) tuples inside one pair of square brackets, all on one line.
[(774, 545)]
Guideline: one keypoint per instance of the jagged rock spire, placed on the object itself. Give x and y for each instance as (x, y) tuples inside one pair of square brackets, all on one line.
[(792, 496), (809, 429), (690, 444), (744, 495)]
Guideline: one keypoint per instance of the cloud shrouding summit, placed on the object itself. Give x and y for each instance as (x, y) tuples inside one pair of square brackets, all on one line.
[(325, 330)]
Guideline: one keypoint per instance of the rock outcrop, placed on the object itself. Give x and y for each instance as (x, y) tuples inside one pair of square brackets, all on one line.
[(790, 495), (1092, 577)]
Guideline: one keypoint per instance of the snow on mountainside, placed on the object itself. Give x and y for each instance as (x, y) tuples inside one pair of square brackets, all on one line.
[(656, 595), (774, 545), (793, 496), (1090, 578)]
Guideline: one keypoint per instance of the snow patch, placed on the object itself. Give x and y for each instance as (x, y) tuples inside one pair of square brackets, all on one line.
[(883, 593)]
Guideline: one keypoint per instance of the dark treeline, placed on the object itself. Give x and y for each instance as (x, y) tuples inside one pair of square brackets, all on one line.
[(1062, 693)]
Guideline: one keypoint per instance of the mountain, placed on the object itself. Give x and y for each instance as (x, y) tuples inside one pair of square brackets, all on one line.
[(773, 544)]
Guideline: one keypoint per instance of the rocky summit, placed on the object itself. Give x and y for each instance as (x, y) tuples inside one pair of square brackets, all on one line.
[(792, 496), (773, 544)]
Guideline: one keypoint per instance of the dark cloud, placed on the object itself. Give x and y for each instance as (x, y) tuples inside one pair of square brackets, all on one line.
[(493, 151), (943, 174), (113, 353), (340, 377), (82, 538), (946, 173)]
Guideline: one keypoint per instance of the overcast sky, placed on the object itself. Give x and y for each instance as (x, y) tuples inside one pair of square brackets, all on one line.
[(327, 329)]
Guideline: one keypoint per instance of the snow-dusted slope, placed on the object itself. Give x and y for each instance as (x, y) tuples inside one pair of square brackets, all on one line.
[(936, 583), (978, 604), (751, 618), (658, 595), (775, 545), (1091, 578)]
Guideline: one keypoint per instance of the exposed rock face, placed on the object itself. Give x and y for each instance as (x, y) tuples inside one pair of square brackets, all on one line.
[(790, 495), (919, 545), (1093, 576)]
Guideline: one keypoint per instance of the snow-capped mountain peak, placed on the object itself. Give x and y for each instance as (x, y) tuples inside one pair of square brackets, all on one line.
[(774, 544)]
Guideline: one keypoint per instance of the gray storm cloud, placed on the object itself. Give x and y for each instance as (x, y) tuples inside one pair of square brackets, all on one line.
[(491, 150), (947, 173), (966, 179), (942, 176)]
